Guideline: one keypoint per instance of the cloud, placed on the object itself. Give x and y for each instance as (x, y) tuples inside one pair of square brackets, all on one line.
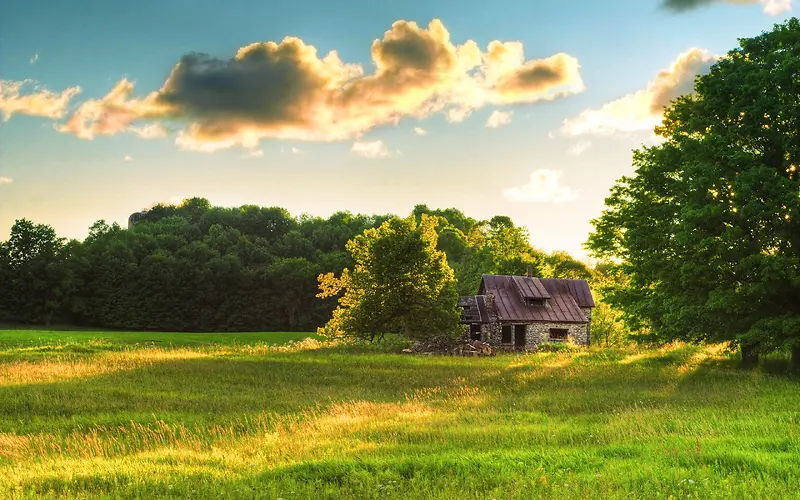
[(40, 102), (34, 58), (113, 113), (6, 180), (579, 148), (287, 91), (296, 151), (370, 149), (420, 131), (254, 153), (543, 188), (644, 109), (151, 131), (771, 7), (128, 158), (498, 118)]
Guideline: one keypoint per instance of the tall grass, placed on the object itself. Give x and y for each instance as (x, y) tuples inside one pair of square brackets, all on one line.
[(305, 420)]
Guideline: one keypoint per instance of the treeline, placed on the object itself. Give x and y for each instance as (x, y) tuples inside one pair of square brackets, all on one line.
[(195, 267)]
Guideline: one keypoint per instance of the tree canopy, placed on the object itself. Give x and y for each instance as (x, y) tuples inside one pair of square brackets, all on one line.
[(197, 267), (400, 283), (708, 229)]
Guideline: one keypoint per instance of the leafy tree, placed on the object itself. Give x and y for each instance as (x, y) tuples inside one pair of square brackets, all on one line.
[(36, 280), (708, 229), (400, 283)]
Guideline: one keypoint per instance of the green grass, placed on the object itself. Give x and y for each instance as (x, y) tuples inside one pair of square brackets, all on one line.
[(43, 338), (123, 418)]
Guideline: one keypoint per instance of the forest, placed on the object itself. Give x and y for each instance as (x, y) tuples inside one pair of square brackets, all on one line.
[(197, 267)]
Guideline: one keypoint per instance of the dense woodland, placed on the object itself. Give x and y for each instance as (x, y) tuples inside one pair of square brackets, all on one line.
[(195, 267)]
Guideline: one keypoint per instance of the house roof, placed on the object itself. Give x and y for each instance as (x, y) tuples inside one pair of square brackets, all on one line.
[(473, 309), (564, 298)]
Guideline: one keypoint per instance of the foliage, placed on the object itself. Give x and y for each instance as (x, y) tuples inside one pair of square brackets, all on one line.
[(253, 421), (400, 283), (33, 272), (196, 267), (708, 229)]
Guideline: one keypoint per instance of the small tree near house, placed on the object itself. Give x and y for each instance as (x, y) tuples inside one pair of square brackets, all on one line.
[(400, 283)]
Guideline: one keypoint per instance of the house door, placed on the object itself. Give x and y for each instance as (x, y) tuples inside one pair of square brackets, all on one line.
[(519, 335), (475, 331)]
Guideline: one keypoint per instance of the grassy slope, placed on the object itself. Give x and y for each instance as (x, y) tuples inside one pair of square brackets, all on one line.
[(304, 422)]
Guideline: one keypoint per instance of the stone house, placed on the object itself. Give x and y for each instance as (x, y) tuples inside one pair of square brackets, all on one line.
[(521, 312)]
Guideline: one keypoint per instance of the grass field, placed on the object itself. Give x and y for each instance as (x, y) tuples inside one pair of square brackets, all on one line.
[(120, 415)]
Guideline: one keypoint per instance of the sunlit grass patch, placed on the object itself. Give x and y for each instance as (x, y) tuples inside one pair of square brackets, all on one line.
[(307, 419)]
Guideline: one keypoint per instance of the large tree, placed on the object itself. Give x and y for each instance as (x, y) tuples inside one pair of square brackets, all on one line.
[(35, 279), (708, 228), (401, 283)]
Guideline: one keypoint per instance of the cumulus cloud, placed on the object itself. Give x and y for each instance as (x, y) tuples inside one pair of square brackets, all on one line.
[(543, 188), (113, 113), (151, 131), (644, 109), (6, 180), (370, 149), (420, 131), (34, 58), (579, 148), (772, 7), (498, 118), (128, 158), (38, 102), (287, 91)]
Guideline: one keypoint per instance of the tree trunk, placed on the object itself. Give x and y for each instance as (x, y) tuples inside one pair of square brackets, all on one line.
[(749, 355), (795, 363)]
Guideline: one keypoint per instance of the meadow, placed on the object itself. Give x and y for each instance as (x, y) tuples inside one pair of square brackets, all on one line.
[(97, 414)]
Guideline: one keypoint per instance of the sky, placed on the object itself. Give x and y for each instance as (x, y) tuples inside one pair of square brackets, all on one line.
[(523, 108)]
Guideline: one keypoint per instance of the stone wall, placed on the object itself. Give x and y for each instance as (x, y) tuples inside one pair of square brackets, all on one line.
[(587, 311), (535, 333)]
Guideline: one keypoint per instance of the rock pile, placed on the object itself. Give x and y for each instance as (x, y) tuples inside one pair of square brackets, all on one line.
[(450, 347)]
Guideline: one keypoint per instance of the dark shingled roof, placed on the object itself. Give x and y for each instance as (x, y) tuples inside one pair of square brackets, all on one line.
[(564, 298), (473, 309), (530, 288)]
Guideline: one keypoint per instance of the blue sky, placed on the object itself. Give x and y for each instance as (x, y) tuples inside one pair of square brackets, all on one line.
[(548, 162)]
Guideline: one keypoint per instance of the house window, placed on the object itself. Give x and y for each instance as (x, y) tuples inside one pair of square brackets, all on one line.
[(506, 334), (535, 302), (475, 331), (558, 334)]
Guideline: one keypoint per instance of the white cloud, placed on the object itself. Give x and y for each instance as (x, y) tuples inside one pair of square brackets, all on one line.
[(543, 188), (6, 180), (499, 118), (34, 58), (296, 151), (128, 158), (254, 153), (370, 149), (776, 7), (643, 109), (579, 148), (151, 131), (39, 102), (420, 131)]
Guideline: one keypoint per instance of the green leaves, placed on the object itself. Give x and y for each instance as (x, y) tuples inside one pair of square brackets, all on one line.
[(707, 228), (401, 283)]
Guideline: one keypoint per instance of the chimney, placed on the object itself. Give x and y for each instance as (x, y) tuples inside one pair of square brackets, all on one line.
[(530, 271)]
